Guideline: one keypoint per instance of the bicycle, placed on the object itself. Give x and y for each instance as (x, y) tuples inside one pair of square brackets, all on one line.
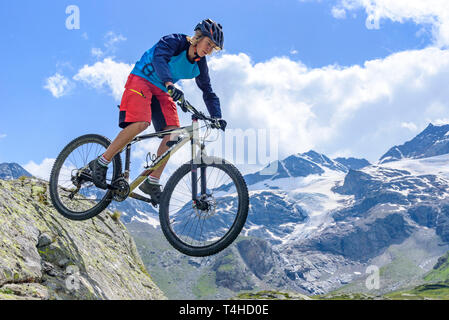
[(197, 217)]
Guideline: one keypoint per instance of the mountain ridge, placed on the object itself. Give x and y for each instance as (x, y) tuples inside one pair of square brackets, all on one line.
[(432, 141), (9, 171)]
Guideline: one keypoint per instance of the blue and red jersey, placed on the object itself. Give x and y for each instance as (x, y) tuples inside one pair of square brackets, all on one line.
[(167, 61)]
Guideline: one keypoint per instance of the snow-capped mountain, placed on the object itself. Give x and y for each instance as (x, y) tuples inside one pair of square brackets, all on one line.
[(293, 199), (303, 165), (392, 205), (353, 163), (299, 195), (347, 219), (433, 141), (9, 171)]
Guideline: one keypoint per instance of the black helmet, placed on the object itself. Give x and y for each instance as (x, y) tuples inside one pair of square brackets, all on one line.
[(213, 30)]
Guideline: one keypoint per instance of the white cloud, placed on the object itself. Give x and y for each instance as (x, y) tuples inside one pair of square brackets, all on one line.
[(41, 170), (112, 39), (343, 153), (97, 52), (430, 12), (409, 125), (58, 85), (2, 135), (338, 13), (107, 73)]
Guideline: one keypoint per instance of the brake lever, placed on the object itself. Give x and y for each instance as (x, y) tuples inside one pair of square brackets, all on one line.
[(218, 124)]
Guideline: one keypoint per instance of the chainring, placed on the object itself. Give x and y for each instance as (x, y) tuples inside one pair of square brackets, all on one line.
[(121, 189)]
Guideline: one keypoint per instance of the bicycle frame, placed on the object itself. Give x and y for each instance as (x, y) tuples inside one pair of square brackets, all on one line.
[(192, 134)]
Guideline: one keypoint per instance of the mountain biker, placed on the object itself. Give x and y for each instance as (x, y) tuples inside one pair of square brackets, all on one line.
[(150, 95)]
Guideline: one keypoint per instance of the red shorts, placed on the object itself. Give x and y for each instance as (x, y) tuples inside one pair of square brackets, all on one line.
[(143, 101)]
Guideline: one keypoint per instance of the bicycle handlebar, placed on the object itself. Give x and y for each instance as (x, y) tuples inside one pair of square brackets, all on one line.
[(186, 106), (197, 114)]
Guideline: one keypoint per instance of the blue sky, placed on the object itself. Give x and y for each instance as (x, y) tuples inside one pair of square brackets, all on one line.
[(36, 125)]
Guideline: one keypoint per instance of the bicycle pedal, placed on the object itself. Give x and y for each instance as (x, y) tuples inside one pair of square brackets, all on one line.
[(142, 198)]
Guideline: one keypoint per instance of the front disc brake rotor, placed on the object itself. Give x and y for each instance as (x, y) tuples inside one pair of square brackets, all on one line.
[(206, 207)]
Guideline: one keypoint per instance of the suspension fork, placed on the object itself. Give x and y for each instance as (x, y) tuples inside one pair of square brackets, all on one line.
[(203, 186), (194, 163)]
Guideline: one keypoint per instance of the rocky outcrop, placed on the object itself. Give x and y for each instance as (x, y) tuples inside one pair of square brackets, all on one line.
[(364, 242), (258, 256), (273, 215), (46, 256), (353, 163), (250, 263), (358, 183), (230, 273)]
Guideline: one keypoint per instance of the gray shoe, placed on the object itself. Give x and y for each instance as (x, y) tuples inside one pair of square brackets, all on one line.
[(153, 190)]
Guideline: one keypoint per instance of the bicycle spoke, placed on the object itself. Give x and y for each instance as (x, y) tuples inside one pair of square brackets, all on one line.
[(82, 199), (187, 223), (197, 227), (87, 195), (187, 194)]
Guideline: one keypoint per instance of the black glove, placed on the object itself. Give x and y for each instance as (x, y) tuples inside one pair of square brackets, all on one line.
[(219, 124), (175, 93)]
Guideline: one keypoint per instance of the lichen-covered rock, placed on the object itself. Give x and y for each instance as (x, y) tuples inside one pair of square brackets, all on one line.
[(46, 256)]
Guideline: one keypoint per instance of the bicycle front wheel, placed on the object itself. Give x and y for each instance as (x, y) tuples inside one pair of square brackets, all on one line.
[(206, 230), (72, 191)]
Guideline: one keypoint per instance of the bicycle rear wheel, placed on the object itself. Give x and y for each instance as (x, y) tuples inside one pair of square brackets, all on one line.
[(72, 191), (206, 231)]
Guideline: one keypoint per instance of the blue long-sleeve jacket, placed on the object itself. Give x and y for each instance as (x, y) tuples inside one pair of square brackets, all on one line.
[(167, 61)]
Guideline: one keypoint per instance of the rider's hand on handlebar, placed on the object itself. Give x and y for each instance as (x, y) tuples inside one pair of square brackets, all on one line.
[(219, 124), (175, 93)]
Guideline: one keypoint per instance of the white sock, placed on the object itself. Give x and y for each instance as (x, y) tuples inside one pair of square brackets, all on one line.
[(102, 160), (153, 180)]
